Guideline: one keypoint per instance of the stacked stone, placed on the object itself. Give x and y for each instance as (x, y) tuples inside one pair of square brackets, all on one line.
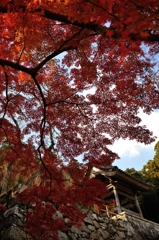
[(100, 227), (94, 226), (11, 224)]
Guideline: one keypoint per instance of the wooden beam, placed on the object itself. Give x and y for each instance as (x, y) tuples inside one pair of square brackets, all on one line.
[(124, 188), (126, 195), (109, 186), (109, 194), (130, 212)]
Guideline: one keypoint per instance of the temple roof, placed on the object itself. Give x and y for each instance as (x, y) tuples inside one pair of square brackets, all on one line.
[(113, 173)]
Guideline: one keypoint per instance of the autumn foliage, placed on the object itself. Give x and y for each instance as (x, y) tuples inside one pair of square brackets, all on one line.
[(73, 76)]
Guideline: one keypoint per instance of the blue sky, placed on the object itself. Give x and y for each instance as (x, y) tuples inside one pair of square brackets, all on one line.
[(133, 154)]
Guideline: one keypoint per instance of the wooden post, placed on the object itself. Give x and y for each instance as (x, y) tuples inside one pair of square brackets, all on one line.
[(107, 211), (117, 199), (138, 206)]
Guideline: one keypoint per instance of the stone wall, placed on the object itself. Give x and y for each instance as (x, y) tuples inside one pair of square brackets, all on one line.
[(120, 227), (12, 221), (97, 227)]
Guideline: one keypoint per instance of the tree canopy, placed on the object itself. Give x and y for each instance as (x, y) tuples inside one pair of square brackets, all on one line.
[(74, 75), (150, 170)]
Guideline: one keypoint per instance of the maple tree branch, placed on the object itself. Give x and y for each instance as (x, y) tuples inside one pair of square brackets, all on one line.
[(62, 18), (49, 57), (93, 26), (91, 119), (17, 66), (59, 51), (146, 8), (7, 98), (43, 122), (23, 48), (99, 29), (22, 113), (98, 6), (71, 103), (33, 71)]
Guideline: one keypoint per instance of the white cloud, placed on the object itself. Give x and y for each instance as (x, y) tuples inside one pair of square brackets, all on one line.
[(131, 148), (151, 121), (125, 148)]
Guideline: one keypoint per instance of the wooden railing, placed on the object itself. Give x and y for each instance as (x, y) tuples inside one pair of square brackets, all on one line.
[(130, 212)]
